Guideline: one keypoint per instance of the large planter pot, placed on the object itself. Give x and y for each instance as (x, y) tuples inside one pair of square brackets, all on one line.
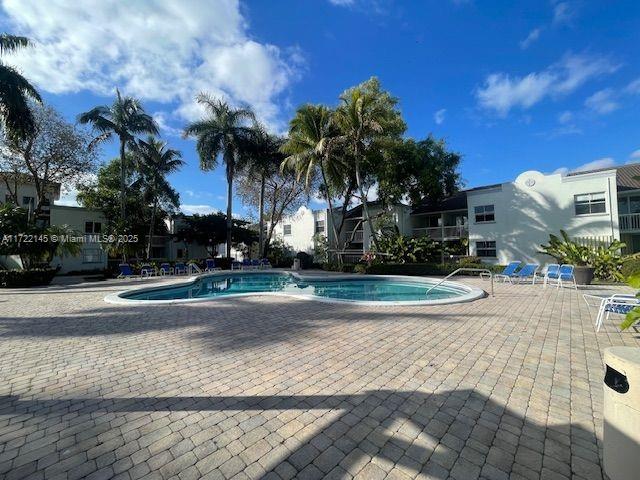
[(584, 275)]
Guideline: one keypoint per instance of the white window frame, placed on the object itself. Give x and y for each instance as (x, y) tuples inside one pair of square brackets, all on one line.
[(590, 201), (321, 230), (92, 255), (284, 229), (483, 213), (486, 248)]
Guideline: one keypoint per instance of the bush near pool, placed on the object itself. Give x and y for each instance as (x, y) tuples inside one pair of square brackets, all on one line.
[(425, 269), (26, 278)]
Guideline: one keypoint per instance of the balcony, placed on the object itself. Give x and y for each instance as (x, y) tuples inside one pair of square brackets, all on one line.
[(629, 222), (453, 232)]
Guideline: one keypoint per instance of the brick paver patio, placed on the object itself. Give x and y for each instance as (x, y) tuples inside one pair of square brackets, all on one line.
[(504, 387)]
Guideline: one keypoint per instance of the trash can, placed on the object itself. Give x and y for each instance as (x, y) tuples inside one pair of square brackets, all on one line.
[(622, 413), (296, 264)]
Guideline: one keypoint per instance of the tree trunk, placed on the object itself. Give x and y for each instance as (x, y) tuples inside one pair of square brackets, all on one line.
[(229, 211), (153, 221), (263, 182), (365, 208), (333, 225), (123, 181)]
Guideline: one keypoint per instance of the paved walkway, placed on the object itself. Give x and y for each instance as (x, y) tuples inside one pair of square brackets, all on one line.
[(504, 387)]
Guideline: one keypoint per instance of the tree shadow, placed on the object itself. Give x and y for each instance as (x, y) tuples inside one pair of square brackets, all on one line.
[(458, 433)]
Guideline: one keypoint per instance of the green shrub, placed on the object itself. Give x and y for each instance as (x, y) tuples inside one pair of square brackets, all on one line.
[(26, 278), (306, 260), (360, 268), (630, 266), (424, 269)]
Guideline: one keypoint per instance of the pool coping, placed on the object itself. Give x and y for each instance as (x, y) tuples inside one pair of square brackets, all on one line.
[(473, 293)]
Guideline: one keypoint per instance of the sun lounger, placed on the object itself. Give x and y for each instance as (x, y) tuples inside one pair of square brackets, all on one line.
[(525, 273), (211, 265), (620, 303), (126, 271), (180, 269), (507, 272)]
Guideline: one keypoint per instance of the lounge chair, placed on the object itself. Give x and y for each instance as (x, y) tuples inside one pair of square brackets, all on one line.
[(148, 271), (211, 265), (180, 269), (236, 265), (165, 269), (126, 271), (256, 264), (265, 263), (620, 303), (551, 273), (567, 276), (507, 272), (246, 264), (525, 273)]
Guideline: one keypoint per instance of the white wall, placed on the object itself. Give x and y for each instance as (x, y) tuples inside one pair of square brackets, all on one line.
[(533, 206), (93, 256), (302, 229)]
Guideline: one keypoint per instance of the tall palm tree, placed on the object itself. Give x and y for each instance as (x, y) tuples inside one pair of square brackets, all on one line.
[(311, 147), (366, 114), (222, 135), (124, 118), (15, 92), (154, 162), (262, 160)]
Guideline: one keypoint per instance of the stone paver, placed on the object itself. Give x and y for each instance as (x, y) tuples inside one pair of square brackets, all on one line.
[(504, 387)]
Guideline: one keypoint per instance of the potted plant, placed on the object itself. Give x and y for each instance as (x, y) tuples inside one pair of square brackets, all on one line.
[(603, 260)]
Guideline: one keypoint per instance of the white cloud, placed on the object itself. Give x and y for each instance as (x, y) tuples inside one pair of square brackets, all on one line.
[(604, 162), (532, 37), (162, 120), (188, 209), (341, 3), (603, 101), (157, 50), (565, 117), (633, 87), (635, 155), (562, 13), (69, 191), (438, 117), (502, 92)]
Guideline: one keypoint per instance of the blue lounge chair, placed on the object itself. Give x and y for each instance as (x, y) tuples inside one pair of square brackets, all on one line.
[(126, 271), (236, 265), (211, 265), (552, 273), (620, 303), (148, 271), (180, 268), (567, 276), (256, 263), (265, 263), (165, 269), (525, 273), (507, 272), (246, 264)]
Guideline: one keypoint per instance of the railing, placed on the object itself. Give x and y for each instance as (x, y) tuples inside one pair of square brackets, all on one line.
[(481, 270), (437, 233), (358, 235), (629, 222), (193, 269)]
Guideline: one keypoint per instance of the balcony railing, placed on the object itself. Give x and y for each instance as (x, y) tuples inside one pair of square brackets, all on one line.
[(629, 222), (437, 233)]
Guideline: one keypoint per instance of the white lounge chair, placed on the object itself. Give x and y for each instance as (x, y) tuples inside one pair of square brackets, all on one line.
[(619, 303)]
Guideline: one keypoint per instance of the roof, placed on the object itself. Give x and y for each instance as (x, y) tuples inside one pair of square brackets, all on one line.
[(356, 211), (628, 177), (457, 201)]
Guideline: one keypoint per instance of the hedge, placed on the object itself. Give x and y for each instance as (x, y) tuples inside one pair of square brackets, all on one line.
[(630, 266), (26, 278), (423, 269)]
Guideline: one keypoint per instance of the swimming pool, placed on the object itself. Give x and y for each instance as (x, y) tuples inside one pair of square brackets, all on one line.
[(379, 290)]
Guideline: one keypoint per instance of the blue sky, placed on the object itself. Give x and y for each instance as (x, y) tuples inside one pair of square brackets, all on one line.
[(512, 86)]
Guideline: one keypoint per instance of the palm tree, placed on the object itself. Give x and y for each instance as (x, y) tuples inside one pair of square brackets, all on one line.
[(366, 114), (262, 160), (15, 92), (155, 161), (124, 118), (222, 134), (311, 146)]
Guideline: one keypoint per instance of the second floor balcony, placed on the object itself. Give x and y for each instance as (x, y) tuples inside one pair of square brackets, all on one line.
[(629, 222), (452, 232)]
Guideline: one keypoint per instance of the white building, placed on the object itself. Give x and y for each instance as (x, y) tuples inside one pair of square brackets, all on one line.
[(502, 222)]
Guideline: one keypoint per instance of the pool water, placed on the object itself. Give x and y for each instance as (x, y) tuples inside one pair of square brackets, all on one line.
[(356, 288)]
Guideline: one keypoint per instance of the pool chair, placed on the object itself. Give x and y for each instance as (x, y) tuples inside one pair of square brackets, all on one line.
[(126, 271), (147, 270), (236, 265), (256, 264), (180, 269), (525, 273), (211, 265), (165, 269), (507, 272), (551, 274), (246, 264), (620, 303), (567, 276), (265, 263)]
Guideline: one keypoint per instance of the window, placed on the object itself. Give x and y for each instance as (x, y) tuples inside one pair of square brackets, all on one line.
[(28, 201), (92, 255), (286, 229), (485, 213), (486, 249), (92, 227), (319, 226), (590, 203)]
